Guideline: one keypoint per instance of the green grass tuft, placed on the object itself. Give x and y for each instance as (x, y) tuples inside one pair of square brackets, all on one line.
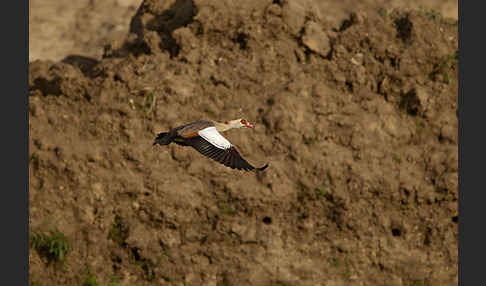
[(149, 102), (347, 275), (445, 78), (147, 266), (321, 193), (204, 239), (209, 111), (418, 283), (309, 140), (118, 232), (55, 245), (335, 262), (382, 12), (224, 282), (229, 210), (442, 68), (420, 126), (114, 281), (90, 280), (432, 14)]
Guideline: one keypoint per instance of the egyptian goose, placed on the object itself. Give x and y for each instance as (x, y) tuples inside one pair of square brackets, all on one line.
[(204, 136)]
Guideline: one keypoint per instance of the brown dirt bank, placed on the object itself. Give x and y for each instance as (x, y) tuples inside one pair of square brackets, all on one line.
[(58, 28), (357, 120)]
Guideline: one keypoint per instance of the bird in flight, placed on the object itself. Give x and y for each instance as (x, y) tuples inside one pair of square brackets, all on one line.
[(205, 137)]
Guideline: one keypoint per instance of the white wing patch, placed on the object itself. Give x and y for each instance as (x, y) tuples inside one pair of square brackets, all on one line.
[(212, 135)]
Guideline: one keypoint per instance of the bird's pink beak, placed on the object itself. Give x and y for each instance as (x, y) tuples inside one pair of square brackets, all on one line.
[(249, 125)]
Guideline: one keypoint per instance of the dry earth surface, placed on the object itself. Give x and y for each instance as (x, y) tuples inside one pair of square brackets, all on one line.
[(356, 113), (59, 28)]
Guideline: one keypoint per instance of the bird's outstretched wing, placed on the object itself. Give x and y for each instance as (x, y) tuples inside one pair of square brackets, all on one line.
[(213, 145)]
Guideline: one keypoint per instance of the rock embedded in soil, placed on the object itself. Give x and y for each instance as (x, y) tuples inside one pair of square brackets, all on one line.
[(315, 39)]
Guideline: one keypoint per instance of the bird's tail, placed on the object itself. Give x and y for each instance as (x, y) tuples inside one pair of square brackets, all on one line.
[(163, 138)]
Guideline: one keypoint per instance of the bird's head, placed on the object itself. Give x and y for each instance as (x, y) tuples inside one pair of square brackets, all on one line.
[(245, 123), (239, 123)]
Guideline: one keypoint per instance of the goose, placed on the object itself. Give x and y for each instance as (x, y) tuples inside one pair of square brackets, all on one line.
[(205, 137)]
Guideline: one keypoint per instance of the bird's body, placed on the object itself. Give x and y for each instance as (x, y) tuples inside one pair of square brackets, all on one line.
[(205, 137)]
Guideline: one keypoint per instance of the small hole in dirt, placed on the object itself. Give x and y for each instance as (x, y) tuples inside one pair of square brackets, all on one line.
[(118, 78), (346, 24), (396, 232), (116, 259), (404, 28), (135, 254), (304, 216), (395, 63), (267, 220), (441, 138), (48, 86), (349, 85), (410, 102), (242, 39), (199, 29), (442, 191), (147, 194), (428, 235), (116, 268), (58, 151), (407, 192), (455, 219)]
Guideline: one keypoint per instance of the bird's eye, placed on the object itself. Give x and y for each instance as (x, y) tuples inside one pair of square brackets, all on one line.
[(226, 122), (243, 121)]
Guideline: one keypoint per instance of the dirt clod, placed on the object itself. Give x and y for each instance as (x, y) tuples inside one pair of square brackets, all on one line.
[(315, 39)]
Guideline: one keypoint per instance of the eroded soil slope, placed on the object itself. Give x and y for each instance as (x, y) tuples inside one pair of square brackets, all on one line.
[(58, 28), (358, 122)]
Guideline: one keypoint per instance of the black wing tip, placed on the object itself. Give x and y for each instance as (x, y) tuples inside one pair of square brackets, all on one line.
[(249, 168), (262, 168), (256, 169)]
